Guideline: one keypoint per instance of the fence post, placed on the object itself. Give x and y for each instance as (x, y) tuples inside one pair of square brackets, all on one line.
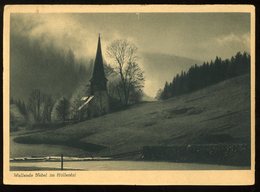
[(61, 161)]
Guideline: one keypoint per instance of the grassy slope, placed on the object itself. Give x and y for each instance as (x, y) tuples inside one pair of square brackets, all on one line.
[(217, 114)]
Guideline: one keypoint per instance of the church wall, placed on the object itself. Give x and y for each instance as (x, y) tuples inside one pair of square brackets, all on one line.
[(100, 104)]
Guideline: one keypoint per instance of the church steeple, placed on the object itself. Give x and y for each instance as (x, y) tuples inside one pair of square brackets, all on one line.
[(98, 80)]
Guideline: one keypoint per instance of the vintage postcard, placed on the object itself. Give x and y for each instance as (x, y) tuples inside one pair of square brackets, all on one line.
[(129, 94)]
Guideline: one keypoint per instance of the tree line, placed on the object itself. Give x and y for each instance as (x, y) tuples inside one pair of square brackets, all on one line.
[(198, 77)]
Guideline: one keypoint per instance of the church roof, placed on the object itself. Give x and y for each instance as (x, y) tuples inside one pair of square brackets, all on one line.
[(98, 70), (86, 100)]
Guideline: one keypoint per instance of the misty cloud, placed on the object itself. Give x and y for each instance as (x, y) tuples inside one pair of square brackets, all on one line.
[(197, 36), (168, 33), (236, 41)]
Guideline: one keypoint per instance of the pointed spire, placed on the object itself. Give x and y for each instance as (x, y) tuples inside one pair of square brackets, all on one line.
[(99, 52), (98, 79)]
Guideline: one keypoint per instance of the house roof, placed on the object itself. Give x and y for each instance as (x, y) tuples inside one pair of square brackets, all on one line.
[(86, 100)]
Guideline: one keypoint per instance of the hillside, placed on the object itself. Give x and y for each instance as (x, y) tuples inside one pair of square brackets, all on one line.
[(216, 114)]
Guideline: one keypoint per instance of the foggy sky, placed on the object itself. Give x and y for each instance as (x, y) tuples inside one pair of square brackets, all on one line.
[(200, 36)]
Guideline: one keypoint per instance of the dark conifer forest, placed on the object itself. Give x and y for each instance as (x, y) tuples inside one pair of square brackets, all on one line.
[(200, 76)]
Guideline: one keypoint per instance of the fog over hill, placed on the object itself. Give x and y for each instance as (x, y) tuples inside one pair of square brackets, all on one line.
[(57, 72), (36, 66), (160, 68), (161, 38)]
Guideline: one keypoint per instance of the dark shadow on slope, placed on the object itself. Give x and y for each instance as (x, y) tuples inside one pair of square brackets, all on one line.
[(195, 99), (180, 111), (222, 116), (65, 141), (222, 154), (218, 138)]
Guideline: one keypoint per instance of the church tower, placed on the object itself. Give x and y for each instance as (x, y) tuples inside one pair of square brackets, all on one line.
[(98, 84)]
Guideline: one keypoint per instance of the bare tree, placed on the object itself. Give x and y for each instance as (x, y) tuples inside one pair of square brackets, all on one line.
[(124, 56), (40, 105), (63, 109), (47, 108), (35, 104)]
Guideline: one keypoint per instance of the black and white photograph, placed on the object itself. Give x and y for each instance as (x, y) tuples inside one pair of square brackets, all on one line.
[(128, 90)]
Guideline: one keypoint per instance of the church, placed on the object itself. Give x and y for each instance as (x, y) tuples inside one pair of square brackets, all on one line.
[(97, 103)]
